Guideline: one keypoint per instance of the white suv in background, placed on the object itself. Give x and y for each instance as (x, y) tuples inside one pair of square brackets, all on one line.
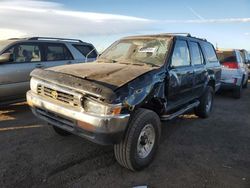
[(234, 74), (18, 57)]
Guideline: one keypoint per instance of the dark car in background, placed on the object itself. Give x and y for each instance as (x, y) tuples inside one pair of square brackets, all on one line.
[(246, 58), (18, 57)]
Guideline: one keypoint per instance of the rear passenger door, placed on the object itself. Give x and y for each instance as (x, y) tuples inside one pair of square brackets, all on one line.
[(181, 75), (212, 63), (56, 54), (15, 75), (200, 72)]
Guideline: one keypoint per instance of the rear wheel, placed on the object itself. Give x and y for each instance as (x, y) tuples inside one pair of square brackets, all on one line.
[(246, 83), (138, 147), (237, 92), (61, 131), (206, 103)]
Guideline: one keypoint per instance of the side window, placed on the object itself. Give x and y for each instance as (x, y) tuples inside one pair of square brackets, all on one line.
[(180, 55), (25, 53), (210, 52), (57, 52), (86, 50), (247, 57), (196, 54)]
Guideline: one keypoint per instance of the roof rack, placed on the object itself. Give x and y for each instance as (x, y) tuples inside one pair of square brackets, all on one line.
[(16, 38), (53, 38), (185, 34)]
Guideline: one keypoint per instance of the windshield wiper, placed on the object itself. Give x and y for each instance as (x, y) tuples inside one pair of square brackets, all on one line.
[(147, 63), (113, 61), (106, 60), (152, 64)]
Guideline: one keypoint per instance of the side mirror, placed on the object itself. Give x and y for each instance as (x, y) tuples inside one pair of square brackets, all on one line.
[(6, 57)]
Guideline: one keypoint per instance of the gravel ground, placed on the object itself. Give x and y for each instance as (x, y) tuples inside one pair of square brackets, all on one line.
[(213, 152)]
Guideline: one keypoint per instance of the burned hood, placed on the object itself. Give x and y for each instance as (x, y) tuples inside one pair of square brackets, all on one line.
[(111, 75)]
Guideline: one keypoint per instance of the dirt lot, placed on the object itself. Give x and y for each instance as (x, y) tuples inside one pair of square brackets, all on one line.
[(212, 152)]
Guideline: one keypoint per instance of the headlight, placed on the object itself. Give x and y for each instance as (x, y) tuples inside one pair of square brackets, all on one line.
[(33, 84), (94, 107)]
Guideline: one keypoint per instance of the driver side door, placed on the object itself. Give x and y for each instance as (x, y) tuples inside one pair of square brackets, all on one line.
[(181, 76), (14, 75)]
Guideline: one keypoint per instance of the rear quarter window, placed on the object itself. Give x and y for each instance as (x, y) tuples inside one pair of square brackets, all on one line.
[(57, 52), (209, 52), (86, 50)]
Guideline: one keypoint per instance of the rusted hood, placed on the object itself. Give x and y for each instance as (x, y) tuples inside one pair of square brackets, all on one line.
[(112, 75)]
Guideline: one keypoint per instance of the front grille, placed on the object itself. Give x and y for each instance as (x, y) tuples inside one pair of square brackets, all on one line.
[(57, 95)]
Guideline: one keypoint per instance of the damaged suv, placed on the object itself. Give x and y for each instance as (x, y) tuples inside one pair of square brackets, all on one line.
[(122, 98)]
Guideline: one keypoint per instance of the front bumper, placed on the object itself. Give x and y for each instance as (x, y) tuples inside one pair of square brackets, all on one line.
[(99, 129)]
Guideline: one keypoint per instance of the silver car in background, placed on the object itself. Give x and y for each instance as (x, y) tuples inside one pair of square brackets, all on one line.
[(18, 57), (234, 75)]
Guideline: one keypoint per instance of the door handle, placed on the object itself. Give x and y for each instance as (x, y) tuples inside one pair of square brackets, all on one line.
[(39, 65)]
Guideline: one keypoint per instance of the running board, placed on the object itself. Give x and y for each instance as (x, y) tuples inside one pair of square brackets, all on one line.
[(180, 112)]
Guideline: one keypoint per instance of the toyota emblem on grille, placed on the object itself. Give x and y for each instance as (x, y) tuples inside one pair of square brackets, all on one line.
[(54, 94)]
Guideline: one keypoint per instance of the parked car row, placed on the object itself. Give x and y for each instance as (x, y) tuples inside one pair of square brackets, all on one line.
[(121, 98)]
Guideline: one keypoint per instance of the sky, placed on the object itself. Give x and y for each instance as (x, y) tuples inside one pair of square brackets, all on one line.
[(225, 23)]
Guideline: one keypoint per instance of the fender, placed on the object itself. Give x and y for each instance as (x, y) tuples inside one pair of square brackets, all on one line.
[(143, 90)]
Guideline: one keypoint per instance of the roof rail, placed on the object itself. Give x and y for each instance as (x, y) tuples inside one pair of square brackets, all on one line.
[(16, 38), (53, 38), (185, 34), (200, 38)]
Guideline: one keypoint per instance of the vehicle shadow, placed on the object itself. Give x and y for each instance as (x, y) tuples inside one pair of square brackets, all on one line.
[(16, 114), (171, 127), (225, 94)]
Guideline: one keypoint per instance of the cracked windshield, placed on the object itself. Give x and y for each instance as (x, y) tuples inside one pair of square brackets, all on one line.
[(137, 51)]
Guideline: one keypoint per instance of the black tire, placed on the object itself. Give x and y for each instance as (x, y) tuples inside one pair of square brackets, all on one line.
[(237, 92), (60, 131), (206, 103), (126, 152), (245, 85)]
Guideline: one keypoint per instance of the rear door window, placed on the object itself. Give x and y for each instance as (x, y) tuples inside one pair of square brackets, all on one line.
[(86, 50), (239, 59), (25, 52), (57, 52), (196, 54), (210, 52)]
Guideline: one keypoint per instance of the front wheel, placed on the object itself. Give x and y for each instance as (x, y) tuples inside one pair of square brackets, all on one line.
[(206, 103), (60, 131), (139, 145), (245, 85)]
